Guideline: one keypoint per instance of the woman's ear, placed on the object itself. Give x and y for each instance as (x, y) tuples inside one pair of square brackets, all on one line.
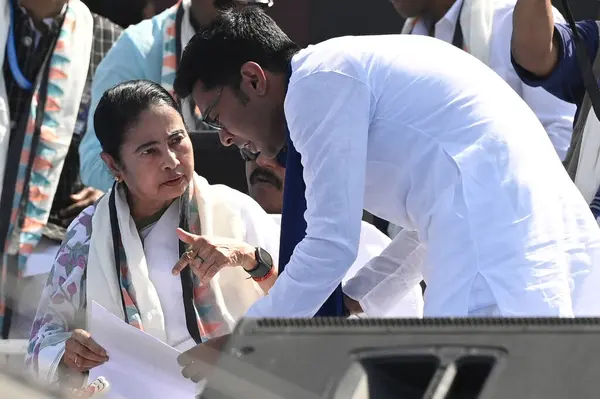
[(112, 165)]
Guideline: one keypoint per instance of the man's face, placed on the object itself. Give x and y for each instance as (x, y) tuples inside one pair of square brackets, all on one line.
[(250, 117), (265, 179), (409, 8)]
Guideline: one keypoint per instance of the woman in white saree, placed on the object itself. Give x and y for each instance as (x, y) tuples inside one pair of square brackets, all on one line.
[(164, 250)]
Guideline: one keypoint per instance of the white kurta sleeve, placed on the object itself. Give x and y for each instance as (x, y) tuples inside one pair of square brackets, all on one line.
[(328, 115), (390, 278)]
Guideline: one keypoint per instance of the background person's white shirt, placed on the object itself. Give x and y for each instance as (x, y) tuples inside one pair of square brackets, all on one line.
[(555, 115), (379, 300), (448, 151)]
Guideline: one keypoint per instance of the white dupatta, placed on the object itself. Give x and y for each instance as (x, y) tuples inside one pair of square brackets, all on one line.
[(233, 292), (476, 21), (4, 108)]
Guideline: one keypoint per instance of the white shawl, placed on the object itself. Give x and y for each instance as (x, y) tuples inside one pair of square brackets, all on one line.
[(476, 20), (4, 108), (233, 291)]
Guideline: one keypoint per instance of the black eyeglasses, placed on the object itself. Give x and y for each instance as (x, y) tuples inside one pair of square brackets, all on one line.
[(247, 155), (212, 123)]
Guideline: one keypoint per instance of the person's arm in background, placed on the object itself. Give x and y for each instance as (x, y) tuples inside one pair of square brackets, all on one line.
[(122, 63), (533, 30), (328, 115), (544, 53), (555, 114), (387, 279)]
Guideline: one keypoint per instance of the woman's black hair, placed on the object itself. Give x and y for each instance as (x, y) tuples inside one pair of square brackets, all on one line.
[(120, 107)]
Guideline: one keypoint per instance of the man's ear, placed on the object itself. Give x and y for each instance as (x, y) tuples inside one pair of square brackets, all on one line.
[(254, 78), (113, 165)]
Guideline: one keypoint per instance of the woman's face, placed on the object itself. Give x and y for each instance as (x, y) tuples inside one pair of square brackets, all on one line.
[(157, 160)]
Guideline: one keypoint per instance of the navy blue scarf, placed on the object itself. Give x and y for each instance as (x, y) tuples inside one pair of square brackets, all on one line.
[(293, 225)]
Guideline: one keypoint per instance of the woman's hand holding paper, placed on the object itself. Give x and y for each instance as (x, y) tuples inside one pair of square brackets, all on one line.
[(208, 255), (82, 353)]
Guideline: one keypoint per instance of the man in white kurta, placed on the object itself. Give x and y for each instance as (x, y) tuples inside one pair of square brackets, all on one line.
[(446, 150)]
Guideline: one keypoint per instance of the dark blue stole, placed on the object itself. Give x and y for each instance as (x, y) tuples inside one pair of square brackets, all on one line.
[(293, 225)]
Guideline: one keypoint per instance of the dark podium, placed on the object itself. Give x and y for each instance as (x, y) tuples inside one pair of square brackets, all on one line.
[(409, 359)]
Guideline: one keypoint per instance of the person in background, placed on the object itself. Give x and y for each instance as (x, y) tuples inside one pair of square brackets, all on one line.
[(483, 28), (52, 51), (172, 230), (265, 185), (149, 50), (447, 150), (122, 13), (544, 56)]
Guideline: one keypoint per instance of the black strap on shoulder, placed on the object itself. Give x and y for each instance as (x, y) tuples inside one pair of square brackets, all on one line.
[(585, 63), (458, 38), (187, 278), (178, 23), (116, 238)]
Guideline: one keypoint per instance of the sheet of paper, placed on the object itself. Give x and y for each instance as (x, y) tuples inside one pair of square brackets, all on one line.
[(139, 366)]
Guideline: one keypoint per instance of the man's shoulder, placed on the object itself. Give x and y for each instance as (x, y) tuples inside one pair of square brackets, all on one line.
[(102, 23), (147, 35), (332, 58), (588, 30), (106, 33), (152, 27)]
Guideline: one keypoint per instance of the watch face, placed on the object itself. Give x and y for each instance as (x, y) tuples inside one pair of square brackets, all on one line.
[(265, 257)]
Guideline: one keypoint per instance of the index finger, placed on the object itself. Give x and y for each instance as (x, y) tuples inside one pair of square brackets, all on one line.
[(85, 339), (181, 263)]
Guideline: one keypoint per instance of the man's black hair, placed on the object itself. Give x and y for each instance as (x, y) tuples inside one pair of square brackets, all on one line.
[(215, 55)]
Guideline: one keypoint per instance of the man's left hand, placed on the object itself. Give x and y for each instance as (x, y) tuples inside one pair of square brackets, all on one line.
[(199, 361), (81, 200), (353, 306)]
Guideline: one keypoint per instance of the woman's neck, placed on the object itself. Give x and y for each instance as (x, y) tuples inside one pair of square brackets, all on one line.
[(144, 209)]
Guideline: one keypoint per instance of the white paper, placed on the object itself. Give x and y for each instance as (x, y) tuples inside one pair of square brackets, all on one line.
[(139, 366)]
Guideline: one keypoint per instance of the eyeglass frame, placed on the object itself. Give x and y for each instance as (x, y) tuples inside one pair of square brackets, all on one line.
[(205, 115)]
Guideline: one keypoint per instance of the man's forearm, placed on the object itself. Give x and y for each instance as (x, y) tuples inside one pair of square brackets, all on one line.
[(532, 40)]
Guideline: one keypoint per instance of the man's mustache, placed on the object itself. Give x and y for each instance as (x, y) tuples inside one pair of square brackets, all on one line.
[(263, 174)]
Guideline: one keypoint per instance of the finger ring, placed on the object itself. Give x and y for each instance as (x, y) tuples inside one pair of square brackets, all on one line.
[(189, 254), (76, 359), (199, 257)]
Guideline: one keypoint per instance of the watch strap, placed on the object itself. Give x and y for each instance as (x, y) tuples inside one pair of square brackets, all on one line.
[(263, 268)]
